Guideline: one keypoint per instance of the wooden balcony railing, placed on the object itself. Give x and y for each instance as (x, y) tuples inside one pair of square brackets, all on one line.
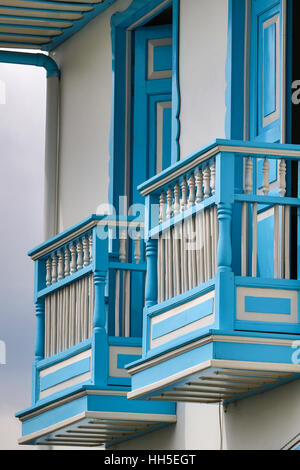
[(68, 269), (231, 206)]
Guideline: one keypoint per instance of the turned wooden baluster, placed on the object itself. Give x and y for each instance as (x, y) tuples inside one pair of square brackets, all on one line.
[(191, 235), (176, 242), (248, 175), (282, 177), (48, 271), (54, 268), (162, 207), (79, 255), (86, 257), (184, 257), (169, 202), (213, 178), (206, 181), (91, 247), (122, 251), (161, 251), (199, 186), (73, 258), (67, 261), (266, 179), (60, 268), (137, 247)]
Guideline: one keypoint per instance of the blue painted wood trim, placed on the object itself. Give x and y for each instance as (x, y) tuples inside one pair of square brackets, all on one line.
[(92, 219), (65, 393), (66, 281), (188, 316), (124, 359), (181, 299), (63, 411), (124, 381), (26, 58), (120, 22), (269, 327), (240, 148), (151, 278), (137, 10), (64, 355), (267, 305), (175, 147), (124, 341), (65, 233), (288, 284), (155, 353), (65, 373), (100, 322), (289, 70), (234, 95), (268, 200), (40, 330), (128, 266)]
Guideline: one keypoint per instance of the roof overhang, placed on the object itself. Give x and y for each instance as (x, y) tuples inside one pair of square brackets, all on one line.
[(44, 24)]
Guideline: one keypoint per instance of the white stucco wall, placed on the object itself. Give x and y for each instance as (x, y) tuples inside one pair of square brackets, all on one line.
[(85, 61), (267, 421), (202, 52)]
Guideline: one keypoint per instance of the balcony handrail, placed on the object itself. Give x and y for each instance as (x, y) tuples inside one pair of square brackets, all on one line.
[(78, 229), (182, 216), (238, 147)]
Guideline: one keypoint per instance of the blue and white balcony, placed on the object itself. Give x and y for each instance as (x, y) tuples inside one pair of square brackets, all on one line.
[(221, 316), (89, 304)]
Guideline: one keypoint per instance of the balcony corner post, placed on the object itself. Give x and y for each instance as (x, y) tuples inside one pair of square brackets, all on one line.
[(224, 302), (224, 255), (99, 338), (151, 280), (40, 329)]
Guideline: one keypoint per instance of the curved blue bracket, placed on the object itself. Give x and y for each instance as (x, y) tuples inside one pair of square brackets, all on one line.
[(26, 58)]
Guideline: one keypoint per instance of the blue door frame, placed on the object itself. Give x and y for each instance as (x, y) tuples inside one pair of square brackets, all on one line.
[(122, 26)]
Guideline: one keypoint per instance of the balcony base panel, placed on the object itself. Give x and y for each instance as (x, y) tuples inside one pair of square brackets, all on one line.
[(83, 419), (216, 368)]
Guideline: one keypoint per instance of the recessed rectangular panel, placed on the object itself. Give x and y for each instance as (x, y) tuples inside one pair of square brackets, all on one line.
[(159, 58), (163, 135), (267, 305), (162, 58), (269, 70)]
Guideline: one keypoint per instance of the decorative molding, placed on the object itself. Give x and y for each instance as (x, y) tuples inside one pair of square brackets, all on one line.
[(214, 364), (151, 362)]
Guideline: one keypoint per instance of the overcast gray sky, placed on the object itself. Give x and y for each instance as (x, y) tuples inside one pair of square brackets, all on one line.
[(22, 123)]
